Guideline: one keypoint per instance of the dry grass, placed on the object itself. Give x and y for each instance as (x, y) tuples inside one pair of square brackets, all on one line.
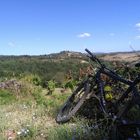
[(16, 117), (126, 57), (30, 115)]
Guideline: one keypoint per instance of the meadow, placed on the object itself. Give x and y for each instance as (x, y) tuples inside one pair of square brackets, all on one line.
[(28, 109), (29, 114)]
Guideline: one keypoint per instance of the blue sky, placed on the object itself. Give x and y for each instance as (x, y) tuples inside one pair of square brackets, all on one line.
[(37, 27)]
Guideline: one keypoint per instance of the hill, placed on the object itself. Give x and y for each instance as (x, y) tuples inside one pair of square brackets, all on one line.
[(130, 57), (56, 66), (70, 55), (114, 56)]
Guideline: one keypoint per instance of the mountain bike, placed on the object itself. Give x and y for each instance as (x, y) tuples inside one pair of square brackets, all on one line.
[(93, 86)]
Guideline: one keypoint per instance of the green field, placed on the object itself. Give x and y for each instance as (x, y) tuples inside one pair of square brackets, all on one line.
[(27, 110)]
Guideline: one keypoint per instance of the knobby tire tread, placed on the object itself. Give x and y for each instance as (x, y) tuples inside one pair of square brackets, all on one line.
[(61, 119)]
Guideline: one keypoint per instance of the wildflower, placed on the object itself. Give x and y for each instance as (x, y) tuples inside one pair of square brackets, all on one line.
[(23, 132)]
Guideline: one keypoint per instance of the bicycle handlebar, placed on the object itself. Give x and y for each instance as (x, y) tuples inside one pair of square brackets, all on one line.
[(94, 58), (89, 52)]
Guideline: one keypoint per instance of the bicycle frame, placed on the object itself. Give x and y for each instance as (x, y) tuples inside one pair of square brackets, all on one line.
[(131, 87)]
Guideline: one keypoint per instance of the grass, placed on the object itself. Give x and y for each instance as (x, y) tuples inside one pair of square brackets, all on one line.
[(40, 125), (21, 116), (6, 97), (77, 130), (30, 115)]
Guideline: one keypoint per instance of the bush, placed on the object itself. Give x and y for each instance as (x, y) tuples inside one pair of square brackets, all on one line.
[(33, 79), (51, 86), (70, 84), (6, 97)]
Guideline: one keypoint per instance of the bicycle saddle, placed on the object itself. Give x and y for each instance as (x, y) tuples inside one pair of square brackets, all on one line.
[(137, 64)]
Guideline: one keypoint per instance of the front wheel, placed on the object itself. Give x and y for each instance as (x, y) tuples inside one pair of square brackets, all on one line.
[(74, 102)]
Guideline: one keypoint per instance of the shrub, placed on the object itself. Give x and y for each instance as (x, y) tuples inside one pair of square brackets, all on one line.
[(70, 84), (6, 97), (34, 79), (51, 86)]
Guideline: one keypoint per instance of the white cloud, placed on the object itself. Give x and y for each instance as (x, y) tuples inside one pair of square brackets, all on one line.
[(11, 44), (138, 37), (84, 35), (138, 25)]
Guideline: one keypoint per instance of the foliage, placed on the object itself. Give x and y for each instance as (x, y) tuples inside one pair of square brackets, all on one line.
[(6, 97), (70, 84), (79, 130), (51, 86), (35, 111), (38, 70), (34, 79)]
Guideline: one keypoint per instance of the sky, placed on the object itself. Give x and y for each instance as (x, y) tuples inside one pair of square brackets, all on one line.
[(36, 27)]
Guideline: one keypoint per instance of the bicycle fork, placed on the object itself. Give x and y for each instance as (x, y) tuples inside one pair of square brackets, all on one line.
[(102, 101)]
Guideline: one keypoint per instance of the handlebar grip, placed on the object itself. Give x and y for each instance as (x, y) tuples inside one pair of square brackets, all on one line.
[(89, 52), (94, 58)]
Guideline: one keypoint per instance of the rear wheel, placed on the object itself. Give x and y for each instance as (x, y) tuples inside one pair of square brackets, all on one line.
[(74, 102), (128, 124)]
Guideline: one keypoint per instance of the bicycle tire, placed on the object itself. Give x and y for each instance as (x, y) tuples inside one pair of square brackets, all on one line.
[(70, 108)]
